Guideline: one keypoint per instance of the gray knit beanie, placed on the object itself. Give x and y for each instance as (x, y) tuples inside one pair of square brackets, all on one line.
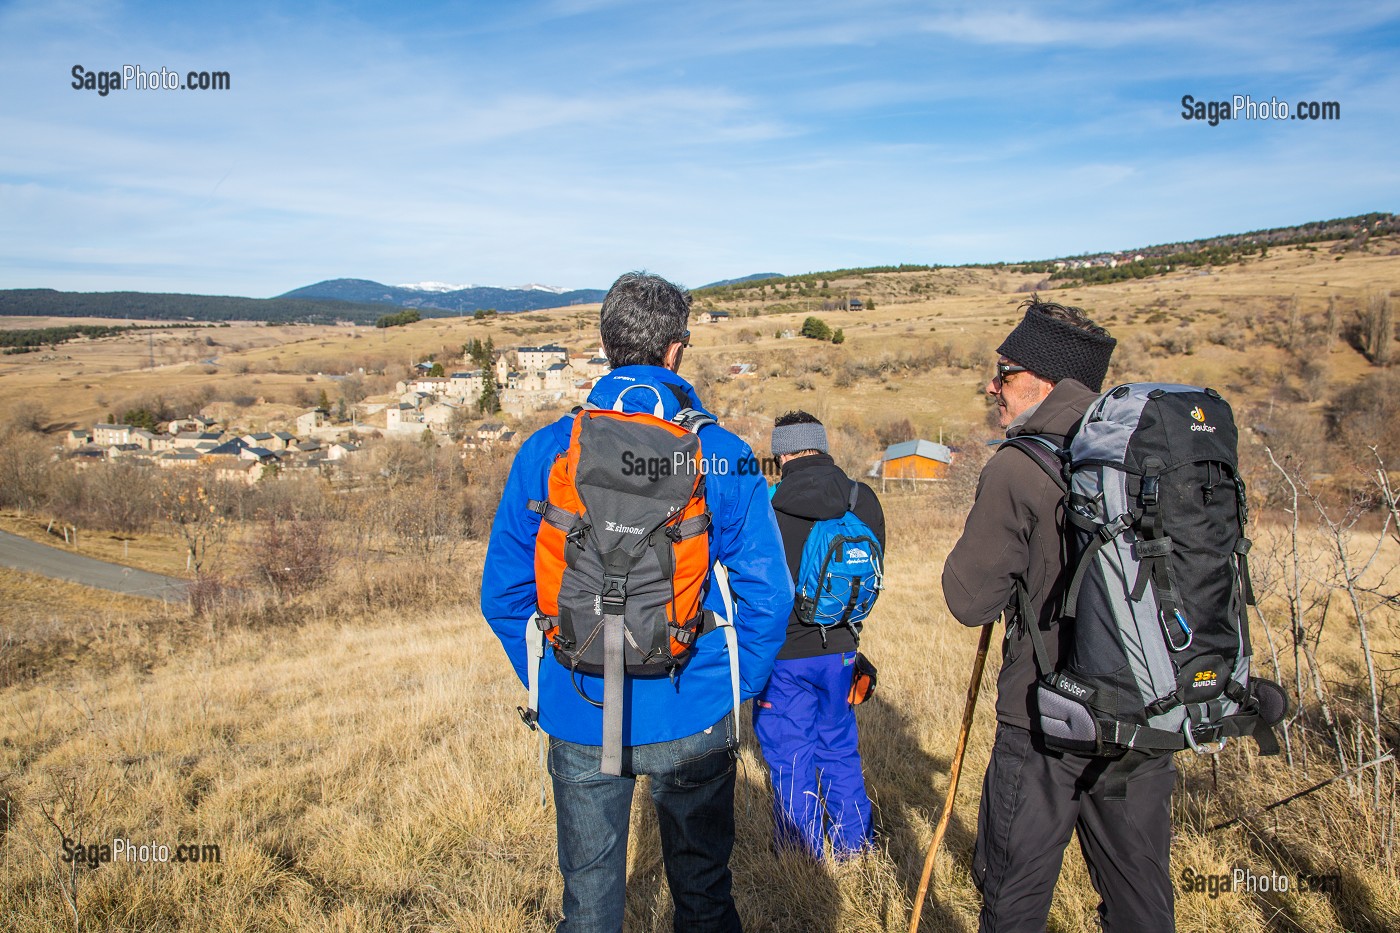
[(790, 438)]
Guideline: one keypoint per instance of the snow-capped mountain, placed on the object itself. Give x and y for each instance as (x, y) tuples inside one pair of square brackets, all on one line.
[(437, 287), (447, 299)]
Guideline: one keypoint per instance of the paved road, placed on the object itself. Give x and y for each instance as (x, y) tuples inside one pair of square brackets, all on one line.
[(23, 554)]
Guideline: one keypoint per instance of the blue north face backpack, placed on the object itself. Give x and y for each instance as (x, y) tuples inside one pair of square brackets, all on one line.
[(841, 572)]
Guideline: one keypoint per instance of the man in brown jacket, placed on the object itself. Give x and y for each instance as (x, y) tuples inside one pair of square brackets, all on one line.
[(1049, 372)]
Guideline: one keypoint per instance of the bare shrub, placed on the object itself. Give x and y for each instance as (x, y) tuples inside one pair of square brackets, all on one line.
[(1366, 413), (24, 416), (1380, 327), (1180, 342), (122, 497), (198, 508), (207, 593), (1312, 379), (894, 431), (25, 461), (293, 556), (1227, 336)]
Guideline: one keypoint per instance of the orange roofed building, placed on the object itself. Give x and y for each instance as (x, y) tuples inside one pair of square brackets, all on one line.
[(915, 460)]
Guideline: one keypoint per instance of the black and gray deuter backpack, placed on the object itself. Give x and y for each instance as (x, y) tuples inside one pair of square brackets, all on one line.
[(1154, 534)]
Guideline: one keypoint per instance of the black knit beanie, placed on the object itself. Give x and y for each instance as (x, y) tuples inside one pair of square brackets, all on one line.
[(1058, 350)]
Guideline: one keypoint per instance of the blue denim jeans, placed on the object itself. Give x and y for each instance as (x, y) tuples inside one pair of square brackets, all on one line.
[(692, 787)]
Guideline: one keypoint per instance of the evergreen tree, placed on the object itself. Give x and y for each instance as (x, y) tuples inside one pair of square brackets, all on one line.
[(140, 418), (816, 329), (490, 401)]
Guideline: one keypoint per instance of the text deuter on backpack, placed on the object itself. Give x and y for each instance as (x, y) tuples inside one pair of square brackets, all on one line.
[(622, 557), (1155, 513)]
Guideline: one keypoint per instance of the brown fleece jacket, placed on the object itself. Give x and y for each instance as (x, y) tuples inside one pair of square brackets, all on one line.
[(1013, 531)]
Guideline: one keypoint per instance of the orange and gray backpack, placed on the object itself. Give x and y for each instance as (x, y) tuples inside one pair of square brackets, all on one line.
[(622, 557)]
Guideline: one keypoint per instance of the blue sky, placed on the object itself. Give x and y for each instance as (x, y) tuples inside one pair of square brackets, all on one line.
[(566, 142)]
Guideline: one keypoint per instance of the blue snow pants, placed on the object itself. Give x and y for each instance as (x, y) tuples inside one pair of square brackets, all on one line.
[(807, 731)]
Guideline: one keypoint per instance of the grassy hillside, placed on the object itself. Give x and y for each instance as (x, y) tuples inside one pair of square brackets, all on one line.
[(352, 747), (365, 770)]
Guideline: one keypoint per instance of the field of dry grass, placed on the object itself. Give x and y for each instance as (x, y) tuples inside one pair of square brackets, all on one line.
[(362, 768), (354, 751)]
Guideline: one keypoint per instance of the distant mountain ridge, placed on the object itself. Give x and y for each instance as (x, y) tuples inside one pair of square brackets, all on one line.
[(363, 301), (428, 297), (162, 306), (757, 276)]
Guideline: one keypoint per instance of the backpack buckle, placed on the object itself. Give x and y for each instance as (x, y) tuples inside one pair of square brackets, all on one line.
[(614, 595), (1150, 489)]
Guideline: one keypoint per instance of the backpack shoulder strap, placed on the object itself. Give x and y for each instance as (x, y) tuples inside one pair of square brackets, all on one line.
[(1050, 458), (854, 495), (1032, 626), (1047, 455)]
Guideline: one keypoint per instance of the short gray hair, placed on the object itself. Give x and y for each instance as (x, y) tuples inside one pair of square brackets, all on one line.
[(643, 314)]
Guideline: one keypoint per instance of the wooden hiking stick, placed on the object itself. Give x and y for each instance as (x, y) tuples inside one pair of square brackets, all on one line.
[(973, 686)]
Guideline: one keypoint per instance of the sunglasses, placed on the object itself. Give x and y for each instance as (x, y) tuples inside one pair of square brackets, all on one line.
[(1008, 369), (685, 340)]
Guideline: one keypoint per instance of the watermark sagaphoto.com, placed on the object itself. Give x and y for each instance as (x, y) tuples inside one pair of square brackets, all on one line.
[(1244, 107), (93, 854), (1247, 881), (134, 77)]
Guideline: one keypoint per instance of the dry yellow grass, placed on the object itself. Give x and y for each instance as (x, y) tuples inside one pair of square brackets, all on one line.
[(365, 770), (359, 761)]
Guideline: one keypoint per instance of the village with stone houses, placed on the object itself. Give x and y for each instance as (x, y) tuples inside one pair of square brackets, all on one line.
[(442, 409), (431, 404)]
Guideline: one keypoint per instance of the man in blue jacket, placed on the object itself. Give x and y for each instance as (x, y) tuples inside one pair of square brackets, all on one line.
[(679, 732)]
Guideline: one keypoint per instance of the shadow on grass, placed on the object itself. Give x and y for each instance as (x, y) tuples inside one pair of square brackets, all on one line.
[(903, 781)]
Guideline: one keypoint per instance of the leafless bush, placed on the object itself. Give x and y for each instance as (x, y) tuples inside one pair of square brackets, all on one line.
[(1228, 336), (894, 431), (1312, 379), (294, 555), (25, 462), (24, 416), (122, 497), (198, 508), (207, 592), (1179, 342), (1381, 344), (1366, 413)]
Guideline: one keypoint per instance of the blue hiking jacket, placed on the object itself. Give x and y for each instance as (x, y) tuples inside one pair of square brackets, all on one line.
[(744, 538)]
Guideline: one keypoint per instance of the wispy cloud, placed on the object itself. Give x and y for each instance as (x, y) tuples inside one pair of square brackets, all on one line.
[(566, 141)]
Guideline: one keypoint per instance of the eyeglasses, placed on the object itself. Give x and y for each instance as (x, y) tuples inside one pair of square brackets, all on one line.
[(1008, 369), (685, 340)]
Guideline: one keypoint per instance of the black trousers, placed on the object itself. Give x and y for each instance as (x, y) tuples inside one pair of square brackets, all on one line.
[(1033, 798)]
